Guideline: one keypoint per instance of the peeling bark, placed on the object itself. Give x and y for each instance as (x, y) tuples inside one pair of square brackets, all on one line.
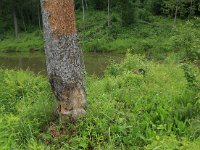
[(63, 56)]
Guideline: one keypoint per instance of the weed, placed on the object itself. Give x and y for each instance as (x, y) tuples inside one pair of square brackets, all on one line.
[(157, 108)]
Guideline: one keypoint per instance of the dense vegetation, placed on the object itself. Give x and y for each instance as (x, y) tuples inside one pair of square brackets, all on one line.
[(139, 104), (28, 16), (141, 35), (140, 38), (151, 100)]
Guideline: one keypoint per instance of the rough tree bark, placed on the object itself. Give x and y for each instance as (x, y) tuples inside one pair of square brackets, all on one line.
[(63, 56)]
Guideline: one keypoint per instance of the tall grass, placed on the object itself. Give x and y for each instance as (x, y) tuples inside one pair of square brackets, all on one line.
[(138, 104), (27, 41), (26, 105)]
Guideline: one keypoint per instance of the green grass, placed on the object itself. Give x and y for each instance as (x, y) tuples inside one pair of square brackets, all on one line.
[(26, 105), (26, 42), (156, 108), (156, 38)]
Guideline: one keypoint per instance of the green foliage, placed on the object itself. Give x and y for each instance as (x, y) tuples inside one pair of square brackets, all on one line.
[(143, 37), (129, 12), (186, 8), (27, 42), (138, 104), (172, 143), (26, 104), (28, 13)]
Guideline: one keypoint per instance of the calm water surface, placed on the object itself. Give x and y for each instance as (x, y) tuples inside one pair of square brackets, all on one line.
[(95, 63)]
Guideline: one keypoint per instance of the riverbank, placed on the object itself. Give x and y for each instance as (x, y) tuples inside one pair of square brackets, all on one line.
[(156, 38), (95, 63), (158, 107), (27, 42)]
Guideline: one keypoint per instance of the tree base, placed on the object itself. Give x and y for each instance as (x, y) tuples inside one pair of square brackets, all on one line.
[(72, 114)]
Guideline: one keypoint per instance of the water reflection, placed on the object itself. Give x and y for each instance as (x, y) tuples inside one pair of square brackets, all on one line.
[(95, 63)]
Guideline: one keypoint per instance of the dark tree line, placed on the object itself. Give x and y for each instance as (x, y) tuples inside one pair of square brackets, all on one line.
[(24, 15), (20, 15)]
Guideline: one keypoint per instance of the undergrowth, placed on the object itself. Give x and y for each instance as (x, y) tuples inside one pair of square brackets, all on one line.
[(28, 41), (156, 38), (26, 106), (138, 104)]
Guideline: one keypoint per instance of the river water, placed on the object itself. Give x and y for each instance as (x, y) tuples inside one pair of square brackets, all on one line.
[(95, 63)]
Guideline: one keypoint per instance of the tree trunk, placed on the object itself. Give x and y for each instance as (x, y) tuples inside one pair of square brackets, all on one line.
[(191, 9), (108, 13), (63, 56), (86, 4), (176, 11), (0, 7), (39, 20), (23, 21), (15, 22), (83, 9)]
